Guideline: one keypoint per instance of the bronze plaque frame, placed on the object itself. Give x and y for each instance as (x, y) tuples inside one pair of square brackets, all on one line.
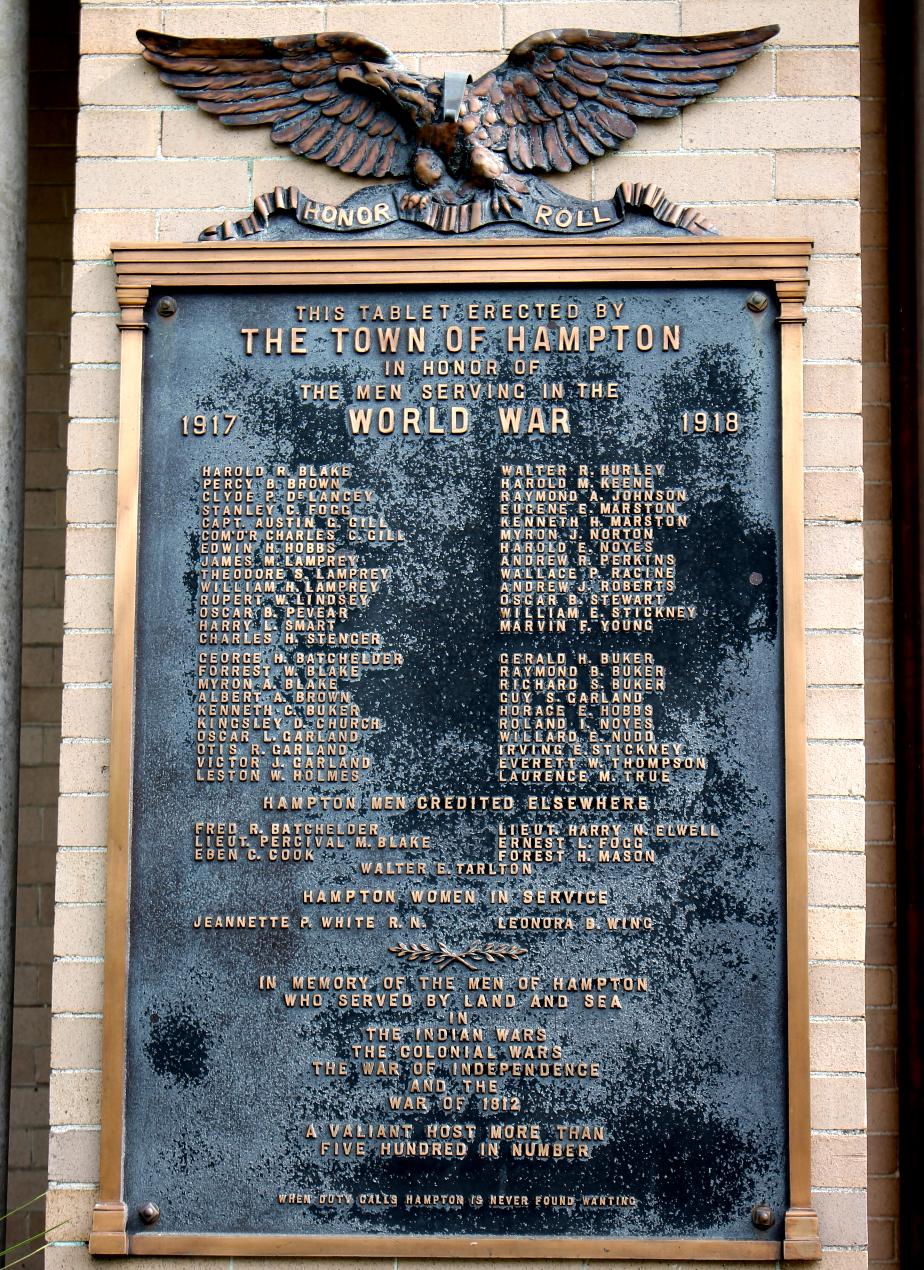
[(780, 263)]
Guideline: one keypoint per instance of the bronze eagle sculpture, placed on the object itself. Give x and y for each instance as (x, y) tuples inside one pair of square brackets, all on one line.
[(559, 100)]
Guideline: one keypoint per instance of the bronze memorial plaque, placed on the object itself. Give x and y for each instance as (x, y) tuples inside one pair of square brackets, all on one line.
[(457, 894)]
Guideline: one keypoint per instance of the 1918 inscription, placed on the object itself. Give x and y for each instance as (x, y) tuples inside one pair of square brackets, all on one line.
[(458, 791)]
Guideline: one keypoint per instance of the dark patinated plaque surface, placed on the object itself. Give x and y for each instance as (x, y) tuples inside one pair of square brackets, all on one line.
[(457, 890)]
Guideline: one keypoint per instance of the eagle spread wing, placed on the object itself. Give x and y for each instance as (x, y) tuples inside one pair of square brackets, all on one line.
[(337, 97), (563, 97), (560, 99)]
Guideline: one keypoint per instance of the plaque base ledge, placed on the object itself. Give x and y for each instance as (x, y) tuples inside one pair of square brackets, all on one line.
[(149, 1243)]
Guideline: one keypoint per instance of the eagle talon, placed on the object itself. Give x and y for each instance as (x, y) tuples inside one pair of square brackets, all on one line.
[(410, 202), (504, 202), (505, 193)]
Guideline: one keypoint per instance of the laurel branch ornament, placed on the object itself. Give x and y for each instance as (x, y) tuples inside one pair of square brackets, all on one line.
[(442, 955)]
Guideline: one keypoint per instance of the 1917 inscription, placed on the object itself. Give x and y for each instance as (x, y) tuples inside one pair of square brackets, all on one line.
[(458, 789)]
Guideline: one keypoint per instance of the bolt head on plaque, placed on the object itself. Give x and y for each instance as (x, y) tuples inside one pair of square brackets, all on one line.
[(763, 1216), (166, 306), (757, 302), (149, 1213)]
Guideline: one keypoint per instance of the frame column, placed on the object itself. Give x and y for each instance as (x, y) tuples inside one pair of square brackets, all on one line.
[(110, 1213), (800, 1239)]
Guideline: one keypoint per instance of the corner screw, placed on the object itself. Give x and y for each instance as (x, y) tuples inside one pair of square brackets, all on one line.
[(755, 579), (149, 1213), (166, 307), (757, 302), (762, 1216)]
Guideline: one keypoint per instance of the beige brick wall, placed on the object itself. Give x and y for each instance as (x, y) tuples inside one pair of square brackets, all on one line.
[(52, 138), (776, 152)]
